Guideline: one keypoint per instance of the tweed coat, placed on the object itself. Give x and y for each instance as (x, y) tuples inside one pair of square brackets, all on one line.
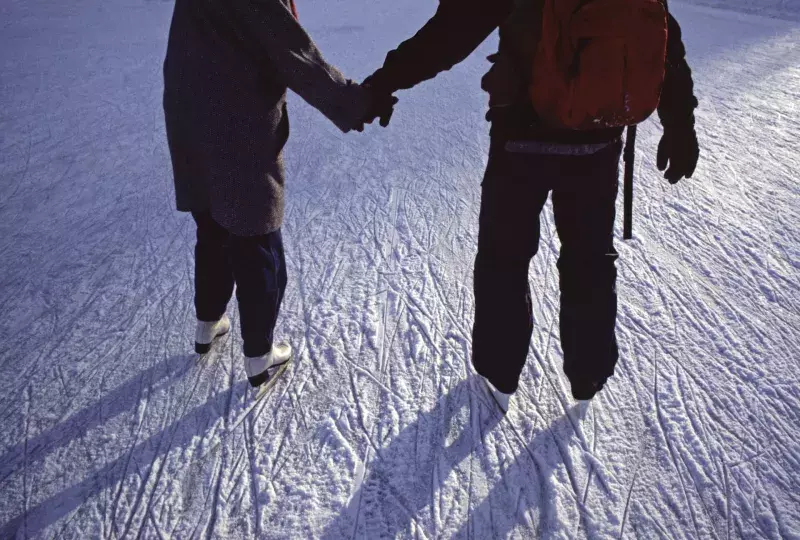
[(227, 68)]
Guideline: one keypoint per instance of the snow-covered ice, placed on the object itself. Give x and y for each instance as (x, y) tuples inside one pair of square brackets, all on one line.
[(111, 427)]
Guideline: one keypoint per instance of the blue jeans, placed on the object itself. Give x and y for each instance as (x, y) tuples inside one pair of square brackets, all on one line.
[(255, 264)]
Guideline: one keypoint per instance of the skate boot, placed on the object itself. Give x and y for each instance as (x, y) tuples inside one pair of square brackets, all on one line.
[(502, 399), (207, 332), (584, 390), (257, 367)]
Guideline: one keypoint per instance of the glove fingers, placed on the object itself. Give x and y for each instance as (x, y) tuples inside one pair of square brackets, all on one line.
[(662, 157), (386, 118), (381, 107), (388, 110), (690, 170), (692, 165), (685, 163), (674, 172), (678, 153)]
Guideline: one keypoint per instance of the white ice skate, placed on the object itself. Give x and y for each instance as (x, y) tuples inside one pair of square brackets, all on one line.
[(502, 399), (257, 367), (207, 332)]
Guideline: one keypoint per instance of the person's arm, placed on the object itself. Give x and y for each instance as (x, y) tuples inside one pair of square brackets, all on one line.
[(299, 63), (678, 150), (457, 29), (678, 101)]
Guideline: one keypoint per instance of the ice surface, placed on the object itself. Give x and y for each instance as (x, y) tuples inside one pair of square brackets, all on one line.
[(111, 428), (789, 9)]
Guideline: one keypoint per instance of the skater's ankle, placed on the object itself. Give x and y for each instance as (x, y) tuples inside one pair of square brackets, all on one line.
[(504, 388)]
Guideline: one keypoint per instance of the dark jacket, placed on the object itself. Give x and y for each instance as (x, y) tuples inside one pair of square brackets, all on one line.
[(227, 68), (460, 26)]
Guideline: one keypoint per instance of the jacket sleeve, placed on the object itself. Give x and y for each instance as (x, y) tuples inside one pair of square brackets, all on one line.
[(678, 101), (457, 29), (272, 26)]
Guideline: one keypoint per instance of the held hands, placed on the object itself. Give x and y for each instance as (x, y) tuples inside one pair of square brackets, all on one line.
[(379, 105), (678, 148)]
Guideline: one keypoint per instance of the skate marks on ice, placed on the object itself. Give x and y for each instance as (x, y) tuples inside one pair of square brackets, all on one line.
[(778, 9), (373, 432), (405, 478), (460, 470), (122, 399), (125, 490), (709, 323)]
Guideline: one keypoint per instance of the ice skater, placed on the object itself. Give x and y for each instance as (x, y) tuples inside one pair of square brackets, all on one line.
[(227, 68), (569, 75)]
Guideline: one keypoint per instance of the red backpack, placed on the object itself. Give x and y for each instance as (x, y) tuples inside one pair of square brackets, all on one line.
[(599, 63)]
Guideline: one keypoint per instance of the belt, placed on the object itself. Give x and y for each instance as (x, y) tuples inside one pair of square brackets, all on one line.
[(556, 149)]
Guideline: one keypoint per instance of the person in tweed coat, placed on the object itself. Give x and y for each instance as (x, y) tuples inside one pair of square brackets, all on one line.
[(227, 69)]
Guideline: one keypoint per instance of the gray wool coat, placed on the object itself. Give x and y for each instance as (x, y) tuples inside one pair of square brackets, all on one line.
[(227, 68)]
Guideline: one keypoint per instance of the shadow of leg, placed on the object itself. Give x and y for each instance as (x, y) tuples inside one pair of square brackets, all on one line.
[(405, 475)]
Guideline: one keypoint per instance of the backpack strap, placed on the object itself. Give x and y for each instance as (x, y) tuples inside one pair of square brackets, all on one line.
[(629, 156)]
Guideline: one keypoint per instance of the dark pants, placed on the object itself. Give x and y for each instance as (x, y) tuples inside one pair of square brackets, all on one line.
[(255, 264), (515, 189)]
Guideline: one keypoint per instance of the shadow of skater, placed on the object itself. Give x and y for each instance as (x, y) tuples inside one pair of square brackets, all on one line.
[(123, 398), (177, 435), (541, 476), (404, 477)]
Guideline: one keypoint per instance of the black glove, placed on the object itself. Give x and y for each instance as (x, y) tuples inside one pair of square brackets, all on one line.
[(380, 105), (678, 148)]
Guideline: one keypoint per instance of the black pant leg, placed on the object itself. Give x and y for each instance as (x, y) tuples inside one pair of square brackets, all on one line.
[(259, 267), (513, 194), (213, 276), (584, 200)]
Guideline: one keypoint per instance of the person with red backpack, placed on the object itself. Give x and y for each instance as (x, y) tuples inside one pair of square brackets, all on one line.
[(568, 77)]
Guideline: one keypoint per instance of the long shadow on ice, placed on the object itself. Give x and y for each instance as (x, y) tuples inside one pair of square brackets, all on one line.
[(407, 479), (123, 398), (405, 476), (541, 476), (180, 434)]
